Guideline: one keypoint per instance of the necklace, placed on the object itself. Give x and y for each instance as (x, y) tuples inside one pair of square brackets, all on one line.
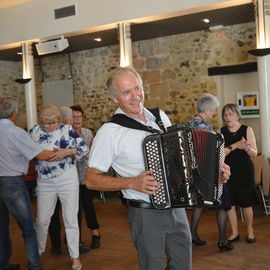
[(233, 133)]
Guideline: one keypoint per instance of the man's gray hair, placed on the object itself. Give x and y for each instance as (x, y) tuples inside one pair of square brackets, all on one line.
[(112, 88), (207, 101), (8, 105)]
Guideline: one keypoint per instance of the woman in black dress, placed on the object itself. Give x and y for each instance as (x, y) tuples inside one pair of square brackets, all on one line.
[(240, 146)]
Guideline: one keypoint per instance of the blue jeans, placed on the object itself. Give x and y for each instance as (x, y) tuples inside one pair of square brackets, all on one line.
[(14, 199)]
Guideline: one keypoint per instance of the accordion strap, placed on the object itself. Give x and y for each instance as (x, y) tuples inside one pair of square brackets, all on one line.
[(155, 112), (125, 121)]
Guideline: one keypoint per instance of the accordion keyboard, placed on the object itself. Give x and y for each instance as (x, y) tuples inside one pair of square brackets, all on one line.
[(155, 161), (220, 158)]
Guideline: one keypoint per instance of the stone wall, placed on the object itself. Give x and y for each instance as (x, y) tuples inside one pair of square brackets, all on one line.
[(174, 71), (9, 71)]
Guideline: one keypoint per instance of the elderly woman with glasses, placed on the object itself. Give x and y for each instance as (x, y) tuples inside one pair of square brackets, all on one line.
[(58, 179)]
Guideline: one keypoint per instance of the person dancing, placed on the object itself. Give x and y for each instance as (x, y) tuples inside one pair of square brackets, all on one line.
[(58, 179), (207, 109)]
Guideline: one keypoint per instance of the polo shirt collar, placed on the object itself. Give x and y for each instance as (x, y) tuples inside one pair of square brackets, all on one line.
[(147, 114)]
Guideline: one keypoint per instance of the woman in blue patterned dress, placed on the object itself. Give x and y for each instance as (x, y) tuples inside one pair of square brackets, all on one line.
[(58, 179), (207, 109)]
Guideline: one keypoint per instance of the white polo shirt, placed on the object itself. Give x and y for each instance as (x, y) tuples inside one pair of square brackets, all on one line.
[(121, 148)]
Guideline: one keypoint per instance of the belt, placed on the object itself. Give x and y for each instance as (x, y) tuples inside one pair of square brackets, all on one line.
[(15, 176), (140, 204)]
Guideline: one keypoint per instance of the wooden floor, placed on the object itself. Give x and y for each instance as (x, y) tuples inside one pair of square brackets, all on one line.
[(117, 252)]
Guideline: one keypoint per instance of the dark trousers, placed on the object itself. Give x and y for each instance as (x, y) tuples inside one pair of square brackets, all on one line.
[(55, 227), (86, 205)]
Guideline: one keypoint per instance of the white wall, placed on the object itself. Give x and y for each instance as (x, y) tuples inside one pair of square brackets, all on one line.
[(35, 19)]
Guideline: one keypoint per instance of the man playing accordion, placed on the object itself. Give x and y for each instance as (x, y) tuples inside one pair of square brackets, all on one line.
[(154, 232)]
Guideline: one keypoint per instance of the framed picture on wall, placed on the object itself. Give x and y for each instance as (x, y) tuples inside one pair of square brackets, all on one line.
[(248, 103)]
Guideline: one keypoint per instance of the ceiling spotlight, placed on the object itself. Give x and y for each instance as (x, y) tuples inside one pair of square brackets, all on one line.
[(98, 39), (206, 20)]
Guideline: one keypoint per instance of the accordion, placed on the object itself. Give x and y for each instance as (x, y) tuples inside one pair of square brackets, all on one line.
[(187, 164)]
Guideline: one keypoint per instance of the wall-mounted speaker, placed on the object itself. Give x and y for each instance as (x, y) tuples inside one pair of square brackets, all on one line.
[(52, 46)]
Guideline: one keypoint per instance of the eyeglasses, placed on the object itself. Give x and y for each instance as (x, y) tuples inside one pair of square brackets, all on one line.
[(50, 123), (77, 116)]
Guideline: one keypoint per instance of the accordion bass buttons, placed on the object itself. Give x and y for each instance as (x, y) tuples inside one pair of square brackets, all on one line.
[(154, 163)]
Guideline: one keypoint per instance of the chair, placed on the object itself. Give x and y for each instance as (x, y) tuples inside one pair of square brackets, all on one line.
[(261, 166), (102, 196)]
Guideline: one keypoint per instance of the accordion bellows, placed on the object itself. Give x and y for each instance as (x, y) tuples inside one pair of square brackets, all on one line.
[(187, 164)]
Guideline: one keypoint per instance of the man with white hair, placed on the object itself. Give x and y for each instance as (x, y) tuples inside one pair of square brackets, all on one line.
[(154, 232)]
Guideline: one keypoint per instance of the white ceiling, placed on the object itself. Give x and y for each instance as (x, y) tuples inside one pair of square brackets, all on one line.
[(10, 3), (176, 25)]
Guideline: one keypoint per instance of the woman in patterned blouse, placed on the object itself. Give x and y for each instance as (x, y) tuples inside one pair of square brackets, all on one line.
[(207, 109), (58, 178)]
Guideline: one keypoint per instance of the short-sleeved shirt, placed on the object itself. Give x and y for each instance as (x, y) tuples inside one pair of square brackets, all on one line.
[(82, 164), (17, 148), (122, 148), (63, 137)]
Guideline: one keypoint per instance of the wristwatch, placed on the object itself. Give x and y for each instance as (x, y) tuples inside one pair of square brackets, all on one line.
[(229, 147)]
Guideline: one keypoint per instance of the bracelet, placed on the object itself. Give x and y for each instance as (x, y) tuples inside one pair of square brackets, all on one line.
[(248, 147)]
